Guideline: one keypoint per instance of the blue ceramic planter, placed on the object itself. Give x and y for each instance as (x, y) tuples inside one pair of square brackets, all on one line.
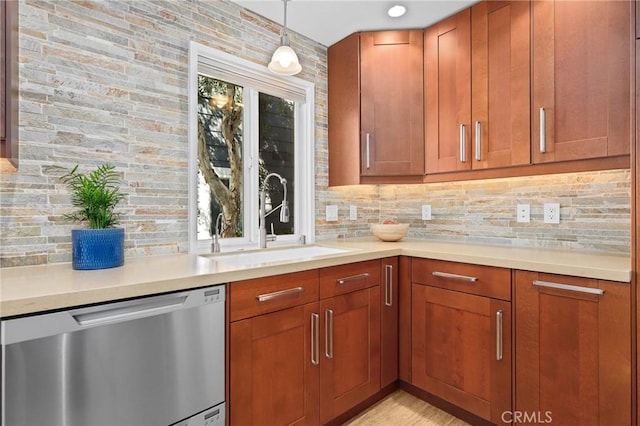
[(97, 248)]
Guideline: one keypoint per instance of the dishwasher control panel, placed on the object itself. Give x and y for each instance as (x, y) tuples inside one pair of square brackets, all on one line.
[(214, 295), (212, 417)]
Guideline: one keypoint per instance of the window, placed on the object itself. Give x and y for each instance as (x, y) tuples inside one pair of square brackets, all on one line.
[(245, 123)]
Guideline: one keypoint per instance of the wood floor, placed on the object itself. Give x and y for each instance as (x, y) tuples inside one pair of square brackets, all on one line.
[(401, 408)]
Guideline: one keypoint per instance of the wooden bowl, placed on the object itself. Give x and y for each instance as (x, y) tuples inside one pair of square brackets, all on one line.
[(390, 231)]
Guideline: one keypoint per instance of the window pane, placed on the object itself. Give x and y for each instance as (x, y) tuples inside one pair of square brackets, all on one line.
[(220, 112), (276, 133)]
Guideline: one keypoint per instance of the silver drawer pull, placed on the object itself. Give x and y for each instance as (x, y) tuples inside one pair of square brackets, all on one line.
[(281, 293), (543, 131), (463, 144), (499, 336), (368, 148), (328, 333), (478, 141), (454, 276), (345, 280), (569, 287), (388, 285), (315, 339)]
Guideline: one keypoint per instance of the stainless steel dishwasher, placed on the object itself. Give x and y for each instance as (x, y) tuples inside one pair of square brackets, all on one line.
[(151, 361)]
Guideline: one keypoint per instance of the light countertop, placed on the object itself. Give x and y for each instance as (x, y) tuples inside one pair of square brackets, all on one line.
[(31, 289)]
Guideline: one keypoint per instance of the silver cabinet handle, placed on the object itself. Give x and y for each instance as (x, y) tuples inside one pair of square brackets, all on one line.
[(368, 150), (463, 144), (388, 285), (388, 296), (276, 294), (345, 280), (478, 141), (454, 276), (569, 287), (543, 131), (315, 339), (328, 333), (499, 336)]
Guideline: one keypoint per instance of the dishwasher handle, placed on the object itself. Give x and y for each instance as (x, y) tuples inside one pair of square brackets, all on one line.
[(127, 313), (51, 324)]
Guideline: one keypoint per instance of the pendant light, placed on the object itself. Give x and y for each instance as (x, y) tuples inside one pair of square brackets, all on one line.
[(284, 60)]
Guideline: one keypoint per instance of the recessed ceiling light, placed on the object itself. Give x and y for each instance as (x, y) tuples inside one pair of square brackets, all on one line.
[(397, 11)]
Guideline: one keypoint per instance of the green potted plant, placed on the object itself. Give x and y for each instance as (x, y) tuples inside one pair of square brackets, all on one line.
[(95, 195)]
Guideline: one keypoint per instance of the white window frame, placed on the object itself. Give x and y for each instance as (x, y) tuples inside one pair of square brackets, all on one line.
[(229, 67)]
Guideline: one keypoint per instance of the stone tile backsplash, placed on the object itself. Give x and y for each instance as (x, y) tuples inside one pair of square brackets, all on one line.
[(595, 210), (107, 81)]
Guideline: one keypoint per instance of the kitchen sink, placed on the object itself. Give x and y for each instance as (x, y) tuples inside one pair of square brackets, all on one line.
[(259, 257)]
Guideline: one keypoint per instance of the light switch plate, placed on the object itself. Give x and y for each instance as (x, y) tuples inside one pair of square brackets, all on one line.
[(332, 213), (523, 213), (353, 212), (426, 212)]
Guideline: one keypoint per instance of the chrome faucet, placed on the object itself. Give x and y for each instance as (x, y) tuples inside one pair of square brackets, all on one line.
[(284, 209), (215, 235)]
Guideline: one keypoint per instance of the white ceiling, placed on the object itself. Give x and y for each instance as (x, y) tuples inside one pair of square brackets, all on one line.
[(329, 21)]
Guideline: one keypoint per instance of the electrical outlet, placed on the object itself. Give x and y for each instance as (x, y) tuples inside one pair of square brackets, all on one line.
[(332, 213), (551, 213), (353, 212), (426, 212), (523, 213)]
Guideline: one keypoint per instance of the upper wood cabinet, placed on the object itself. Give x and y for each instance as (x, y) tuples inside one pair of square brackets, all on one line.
[(500, 84), (581, 89), (391, 109), (9, 82), (447, 101), (375, 107), (477, 88)]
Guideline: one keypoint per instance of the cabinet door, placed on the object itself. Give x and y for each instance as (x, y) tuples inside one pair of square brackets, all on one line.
[(582, 62), (273, 378), (573, 349), (389, 326), (391, 103), (461, 349), (343, 73), (500, 84), (448, 94), (350, 358)]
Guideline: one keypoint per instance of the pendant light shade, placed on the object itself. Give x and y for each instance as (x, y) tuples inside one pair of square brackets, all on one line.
[(284, 60)]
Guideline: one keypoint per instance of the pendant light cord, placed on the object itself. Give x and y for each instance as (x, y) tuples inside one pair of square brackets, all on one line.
[(284, 29)]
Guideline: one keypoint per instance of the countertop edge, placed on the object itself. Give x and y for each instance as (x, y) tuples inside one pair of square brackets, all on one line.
[(133, 280)]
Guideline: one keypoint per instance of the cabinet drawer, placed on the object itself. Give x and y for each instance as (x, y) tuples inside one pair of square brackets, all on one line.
[(347, 278), (474, 279), (259, 296)]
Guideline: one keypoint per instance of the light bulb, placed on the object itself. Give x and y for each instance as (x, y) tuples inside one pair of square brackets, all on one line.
[(397, 11)]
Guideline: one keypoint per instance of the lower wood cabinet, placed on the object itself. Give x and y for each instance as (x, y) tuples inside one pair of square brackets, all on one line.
[(389, 316), (350, 359), (305, 348), (273, 377), (461, 337), (573, 349)]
